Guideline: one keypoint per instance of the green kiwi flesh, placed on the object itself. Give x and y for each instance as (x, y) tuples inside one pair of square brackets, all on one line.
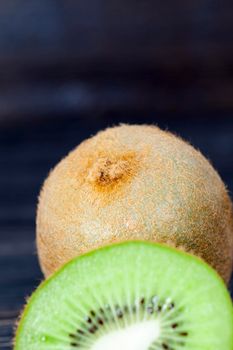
[(129, 296)]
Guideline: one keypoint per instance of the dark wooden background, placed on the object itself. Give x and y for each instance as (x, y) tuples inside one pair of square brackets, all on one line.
[(69, 68)]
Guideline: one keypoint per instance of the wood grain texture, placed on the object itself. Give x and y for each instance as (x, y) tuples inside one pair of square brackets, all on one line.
[(29, 150)]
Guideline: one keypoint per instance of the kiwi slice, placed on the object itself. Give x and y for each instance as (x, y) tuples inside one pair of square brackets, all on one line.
[(129, 296)]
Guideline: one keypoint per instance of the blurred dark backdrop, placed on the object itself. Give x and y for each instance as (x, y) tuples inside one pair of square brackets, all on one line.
[(68, 57), (69, 68)]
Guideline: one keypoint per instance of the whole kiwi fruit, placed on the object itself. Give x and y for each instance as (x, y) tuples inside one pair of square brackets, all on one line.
[(134, 182)]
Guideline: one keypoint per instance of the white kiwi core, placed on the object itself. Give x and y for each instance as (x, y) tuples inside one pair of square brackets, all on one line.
[(139, 336)]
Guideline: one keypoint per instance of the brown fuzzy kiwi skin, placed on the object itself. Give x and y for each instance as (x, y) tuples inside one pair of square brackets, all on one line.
[(134, 182)]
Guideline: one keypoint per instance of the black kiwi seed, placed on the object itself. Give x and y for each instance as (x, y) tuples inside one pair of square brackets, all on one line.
[(74, 345), (80, 331), (93, 329), (71, 335), (142, 301), (184, 334), (175, 325), (88, 320), (100, 321), (93, 313)]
